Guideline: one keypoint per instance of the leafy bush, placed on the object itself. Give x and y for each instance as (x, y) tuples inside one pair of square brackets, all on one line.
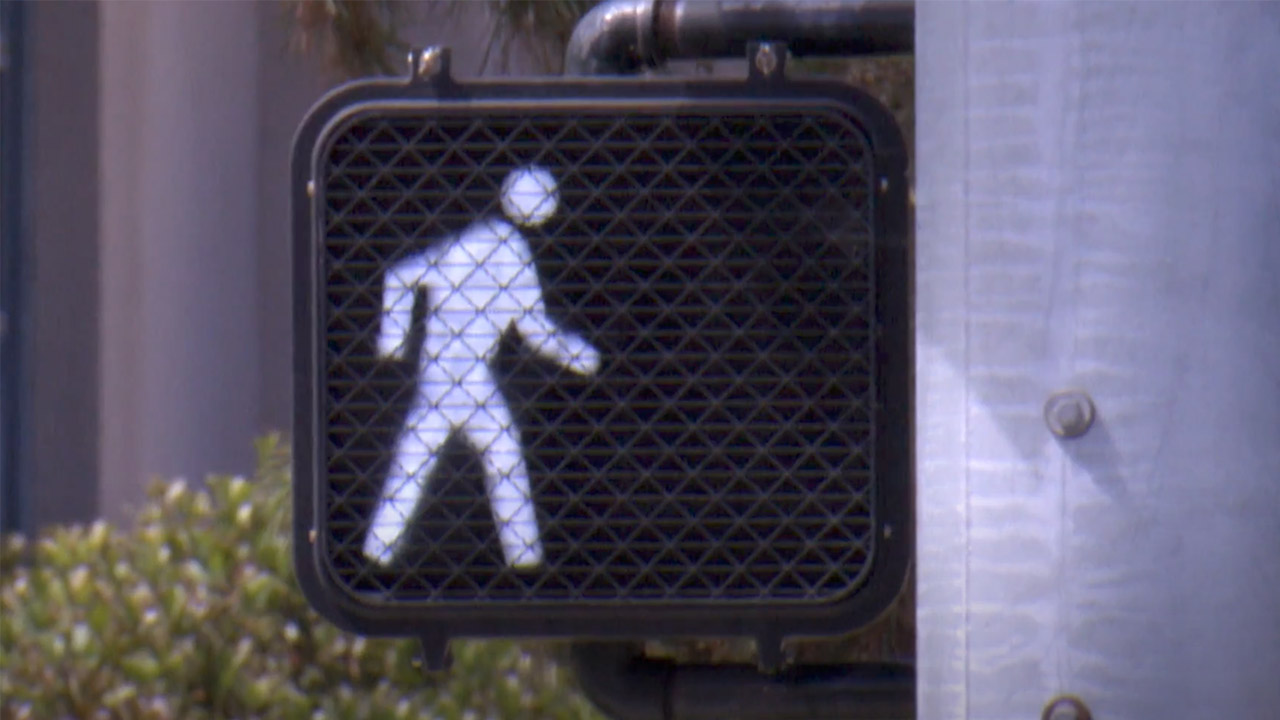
[(195, 614)]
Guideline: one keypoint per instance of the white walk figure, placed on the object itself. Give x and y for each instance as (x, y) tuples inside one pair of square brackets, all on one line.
[(478, 283)]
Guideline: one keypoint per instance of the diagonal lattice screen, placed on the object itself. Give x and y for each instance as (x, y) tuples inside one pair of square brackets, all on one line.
[(656, 384)]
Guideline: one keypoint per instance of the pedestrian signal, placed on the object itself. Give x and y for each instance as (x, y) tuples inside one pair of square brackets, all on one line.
[(601, 358)]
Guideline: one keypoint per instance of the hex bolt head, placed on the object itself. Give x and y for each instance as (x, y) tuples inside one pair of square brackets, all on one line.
[(430, 61), (766, 59), (1066, 708), (1069, 414)]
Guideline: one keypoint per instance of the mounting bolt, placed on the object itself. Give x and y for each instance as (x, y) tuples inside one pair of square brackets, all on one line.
[(1066, 708), (430, 62), (766, 59), (1069, 414)]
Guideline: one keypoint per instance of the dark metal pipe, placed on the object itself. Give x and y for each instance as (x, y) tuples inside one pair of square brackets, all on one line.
[(627, 686), (624, 36), (614, 38), (688, 29), (620, 683)]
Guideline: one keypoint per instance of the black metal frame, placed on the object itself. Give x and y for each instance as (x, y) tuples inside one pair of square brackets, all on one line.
[(768, 623), (625, 685)]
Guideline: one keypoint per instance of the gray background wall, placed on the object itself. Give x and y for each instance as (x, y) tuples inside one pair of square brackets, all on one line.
[(59, 404), (158, 234)]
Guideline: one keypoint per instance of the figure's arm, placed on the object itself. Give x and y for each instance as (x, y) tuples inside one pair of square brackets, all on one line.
[(399, 289), (561, 346), (557, 344)]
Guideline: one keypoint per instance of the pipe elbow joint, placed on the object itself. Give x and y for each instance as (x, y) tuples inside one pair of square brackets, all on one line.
[(615, 38)]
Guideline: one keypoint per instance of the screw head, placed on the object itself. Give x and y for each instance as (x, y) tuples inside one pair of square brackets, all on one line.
[(766, 59), (430, 61), (1066, 708), (1069, 414)]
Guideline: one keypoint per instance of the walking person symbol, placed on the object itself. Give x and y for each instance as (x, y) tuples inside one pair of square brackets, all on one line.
[(478, 284)]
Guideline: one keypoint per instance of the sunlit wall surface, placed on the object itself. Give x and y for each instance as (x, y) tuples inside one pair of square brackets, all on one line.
[(1098, 211)]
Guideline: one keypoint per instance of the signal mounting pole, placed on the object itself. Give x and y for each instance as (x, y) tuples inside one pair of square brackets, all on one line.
[(1098, 337)]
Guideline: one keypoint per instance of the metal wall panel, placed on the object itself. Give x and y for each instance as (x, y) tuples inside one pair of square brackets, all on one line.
[(1099, 209)]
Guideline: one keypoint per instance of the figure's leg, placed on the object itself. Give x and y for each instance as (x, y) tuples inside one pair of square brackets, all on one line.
[(424, 435), (495, 435)]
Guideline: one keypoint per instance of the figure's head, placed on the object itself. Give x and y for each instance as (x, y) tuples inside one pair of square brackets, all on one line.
[(530, 196)]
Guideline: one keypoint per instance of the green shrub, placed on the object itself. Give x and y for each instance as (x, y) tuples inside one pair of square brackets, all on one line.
[(194, 614)]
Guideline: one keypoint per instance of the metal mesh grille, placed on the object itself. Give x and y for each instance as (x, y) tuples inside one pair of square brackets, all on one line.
[(718, 263)]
